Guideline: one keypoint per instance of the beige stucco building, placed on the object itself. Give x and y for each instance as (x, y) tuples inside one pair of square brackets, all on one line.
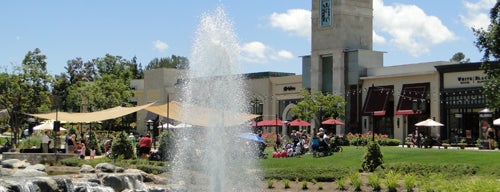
[(387, 100)]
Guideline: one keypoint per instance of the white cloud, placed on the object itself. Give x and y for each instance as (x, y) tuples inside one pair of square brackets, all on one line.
[(18, 38), (378, 39), (160, 45), (258, 52), (409, 28), (477, 13), (296, 21)]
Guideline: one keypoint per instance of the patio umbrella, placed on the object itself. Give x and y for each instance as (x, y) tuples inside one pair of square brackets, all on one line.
[(299, 122), (429, 123), (332, 121), (271, 122), (496, 121), (251, 136)]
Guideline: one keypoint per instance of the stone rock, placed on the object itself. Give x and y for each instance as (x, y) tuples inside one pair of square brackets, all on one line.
[(105, 167), (146, 176), (45, 184), (29, 173), (119, 169), (38, 167), (6, 172), (87, 169), (14, 163), (120, 182)]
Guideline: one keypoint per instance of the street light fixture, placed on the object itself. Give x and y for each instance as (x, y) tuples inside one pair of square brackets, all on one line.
[(150, 126)]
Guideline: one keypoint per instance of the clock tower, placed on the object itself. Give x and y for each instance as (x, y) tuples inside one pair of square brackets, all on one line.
[(341, 48)]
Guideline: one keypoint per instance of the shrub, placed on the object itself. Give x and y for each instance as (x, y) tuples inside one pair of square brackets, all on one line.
[(270, 183), (167, 145), (355, 181), (122, 146), (151, 169), (287, 183), (409, 181), (391, 181), (92, 143), (374, 182), (73, 162), (373, 158), (341, 183), (304, 185)]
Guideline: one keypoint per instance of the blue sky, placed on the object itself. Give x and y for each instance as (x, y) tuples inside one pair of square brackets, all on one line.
[(272, 34)]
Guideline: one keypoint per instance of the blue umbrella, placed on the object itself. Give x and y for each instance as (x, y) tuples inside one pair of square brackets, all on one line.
[(252, 137)]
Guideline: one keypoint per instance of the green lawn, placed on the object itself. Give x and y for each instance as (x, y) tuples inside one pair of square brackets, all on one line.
[(448, 161)]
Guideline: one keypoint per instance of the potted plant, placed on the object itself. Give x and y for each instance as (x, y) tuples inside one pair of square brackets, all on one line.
[(445, 145), (462, 144), (408, 142)]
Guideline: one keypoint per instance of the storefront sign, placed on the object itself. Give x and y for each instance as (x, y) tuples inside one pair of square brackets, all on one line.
[(464, 79)]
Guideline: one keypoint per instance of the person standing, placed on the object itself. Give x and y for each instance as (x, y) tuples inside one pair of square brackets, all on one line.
[(45, 142), (145, 146), (490, 133), (82, 151)]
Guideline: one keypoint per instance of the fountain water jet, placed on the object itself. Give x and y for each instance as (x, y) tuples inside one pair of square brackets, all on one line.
[(211, 158)]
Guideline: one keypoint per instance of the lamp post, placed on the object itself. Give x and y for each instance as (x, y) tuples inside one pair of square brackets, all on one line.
[(373, 126), (320, 116), (485, 121), (150, 126), (256, 110)]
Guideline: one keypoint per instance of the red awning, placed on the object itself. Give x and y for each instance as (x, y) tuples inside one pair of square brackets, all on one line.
[(376, 100), (409, 93)]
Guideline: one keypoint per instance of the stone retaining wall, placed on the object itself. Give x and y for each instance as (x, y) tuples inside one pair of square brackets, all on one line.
[(35, 158)]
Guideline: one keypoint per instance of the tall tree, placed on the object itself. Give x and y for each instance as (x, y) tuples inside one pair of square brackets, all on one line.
[(318, 106), (459, 57), (177, 62), (26, 90), (488, 42)]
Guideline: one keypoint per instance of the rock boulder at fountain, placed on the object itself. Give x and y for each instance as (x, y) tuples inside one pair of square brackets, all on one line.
[(29, 173), (105, 167), (87, 169), (14, 163), (38, 167)]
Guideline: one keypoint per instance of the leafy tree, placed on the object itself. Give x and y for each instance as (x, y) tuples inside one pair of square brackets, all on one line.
[(373, 157), (459, 58), (26, 90), (169, 62), (122, 146), (319, 105), (488, 42), (167, 145), (92, 143)]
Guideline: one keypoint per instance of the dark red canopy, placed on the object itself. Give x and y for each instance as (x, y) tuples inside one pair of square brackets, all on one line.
[(299, 122), (332, 121)]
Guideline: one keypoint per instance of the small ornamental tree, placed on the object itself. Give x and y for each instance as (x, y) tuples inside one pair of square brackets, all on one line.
[(167, 145), (92, 143), (373, 157), (122, 146)]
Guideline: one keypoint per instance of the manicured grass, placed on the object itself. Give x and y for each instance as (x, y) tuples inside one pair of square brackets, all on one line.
[(439, 160)]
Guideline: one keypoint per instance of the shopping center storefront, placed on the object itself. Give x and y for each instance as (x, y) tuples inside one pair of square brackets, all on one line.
[(462, 101)]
